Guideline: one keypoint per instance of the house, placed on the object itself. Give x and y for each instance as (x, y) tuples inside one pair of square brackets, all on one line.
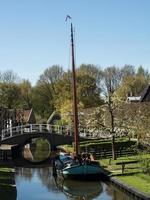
[(143, 97), (53, 118), (133, 99), (24, 116), (15, 117), (29, 117)]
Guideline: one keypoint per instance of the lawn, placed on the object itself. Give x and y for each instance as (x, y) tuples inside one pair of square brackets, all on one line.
[(139, 181), (133, 174)]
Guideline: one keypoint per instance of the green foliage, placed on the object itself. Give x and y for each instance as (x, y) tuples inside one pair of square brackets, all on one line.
[(42, 101), (42, 150), (44, 92), (26, 94), (87, 91), (142, 72), (9, 95), (145, 163), (107, 144), (132, 83), (42, 145)]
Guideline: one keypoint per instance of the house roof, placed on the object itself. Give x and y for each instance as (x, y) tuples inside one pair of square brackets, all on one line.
[(25, 114), (53, 116), (145, 92), (144, 96)]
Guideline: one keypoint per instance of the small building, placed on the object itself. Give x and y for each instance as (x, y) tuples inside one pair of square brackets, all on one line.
[(53, 118), (143, 97), (25, 116), (29, 117)]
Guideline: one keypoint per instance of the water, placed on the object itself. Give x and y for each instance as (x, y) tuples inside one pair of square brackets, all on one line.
[(39, 184)]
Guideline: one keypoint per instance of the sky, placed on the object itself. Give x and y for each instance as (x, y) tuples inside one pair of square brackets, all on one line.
[(35, 36)]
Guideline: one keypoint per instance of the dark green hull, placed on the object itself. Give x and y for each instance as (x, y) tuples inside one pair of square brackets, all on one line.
[(83, 172)]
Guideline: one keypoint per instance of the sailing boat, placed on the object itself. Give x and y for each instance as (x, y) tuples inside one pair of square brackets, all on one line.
[(78, 169)]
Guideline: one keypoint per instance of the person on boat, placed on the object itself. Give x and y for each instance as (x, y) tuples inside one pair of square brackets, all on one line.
[(86, 158), (79, 159)]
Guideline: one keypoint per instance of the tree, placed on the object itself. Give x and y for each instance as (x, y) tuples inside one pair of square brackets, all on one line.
[(88, 88), (8, 77), (111, 82), (63, 90), (135, 119), (142, 72), (89, 78), (128, 70), (50, 77), (93, 71), (9, 95), (26, 94), (87, 91), (45, 90), (132, 84)]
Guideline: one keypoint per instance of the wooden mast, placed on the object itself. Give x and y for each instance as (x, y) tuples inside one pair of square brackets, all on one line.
[(75, 108)]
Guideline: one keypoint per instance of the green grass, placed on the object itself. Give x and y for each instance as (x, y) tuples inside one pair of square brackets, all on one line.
[(139, 181), (104, 142), (133, 174)]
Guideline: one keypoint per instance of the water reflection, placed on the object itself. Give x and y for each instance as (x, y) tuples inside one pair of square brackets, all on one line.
[(36, 184), (39, 184), (82, 190), (38, 149)]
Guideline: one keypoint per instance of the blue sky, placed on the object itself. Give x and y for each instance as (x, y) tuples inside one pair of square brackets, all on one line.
[(34, 35)]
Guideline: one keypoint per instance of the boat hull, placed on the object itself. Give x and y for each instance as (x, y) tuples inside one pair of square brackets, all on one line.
[(83, 172)]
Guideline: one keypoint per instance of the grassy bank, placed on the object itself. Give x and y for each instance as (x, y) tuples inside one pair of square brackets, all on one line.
[(133, 174), (139, 181)]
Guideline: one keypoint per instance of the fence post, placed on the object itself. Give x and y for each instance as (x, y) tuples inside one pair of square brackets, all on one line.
[(40, 127), (2, 136), (31, 128), (58, 128), (50, 128), (11, 131), (21, 129)]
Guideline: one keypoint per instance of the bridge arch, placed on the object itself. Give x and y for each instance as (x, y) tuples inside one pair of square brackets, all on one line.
[(18, 136)]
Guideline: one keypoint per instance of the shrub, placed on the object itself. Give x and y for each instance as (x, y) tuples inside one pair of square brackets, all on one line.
[(145, 164)]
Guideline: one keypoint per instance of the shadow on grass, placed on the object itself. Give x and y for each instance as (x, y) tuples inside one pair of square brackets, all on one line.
[(126, 174)]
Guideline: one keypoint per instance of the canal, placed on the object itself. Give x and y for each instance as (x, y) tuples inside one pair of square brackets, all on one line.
[(39, 184)]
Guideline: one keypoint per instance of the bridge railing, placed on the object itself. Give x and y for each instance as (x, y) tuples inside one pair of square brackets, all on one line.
[(57, 129), (34, 128)]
